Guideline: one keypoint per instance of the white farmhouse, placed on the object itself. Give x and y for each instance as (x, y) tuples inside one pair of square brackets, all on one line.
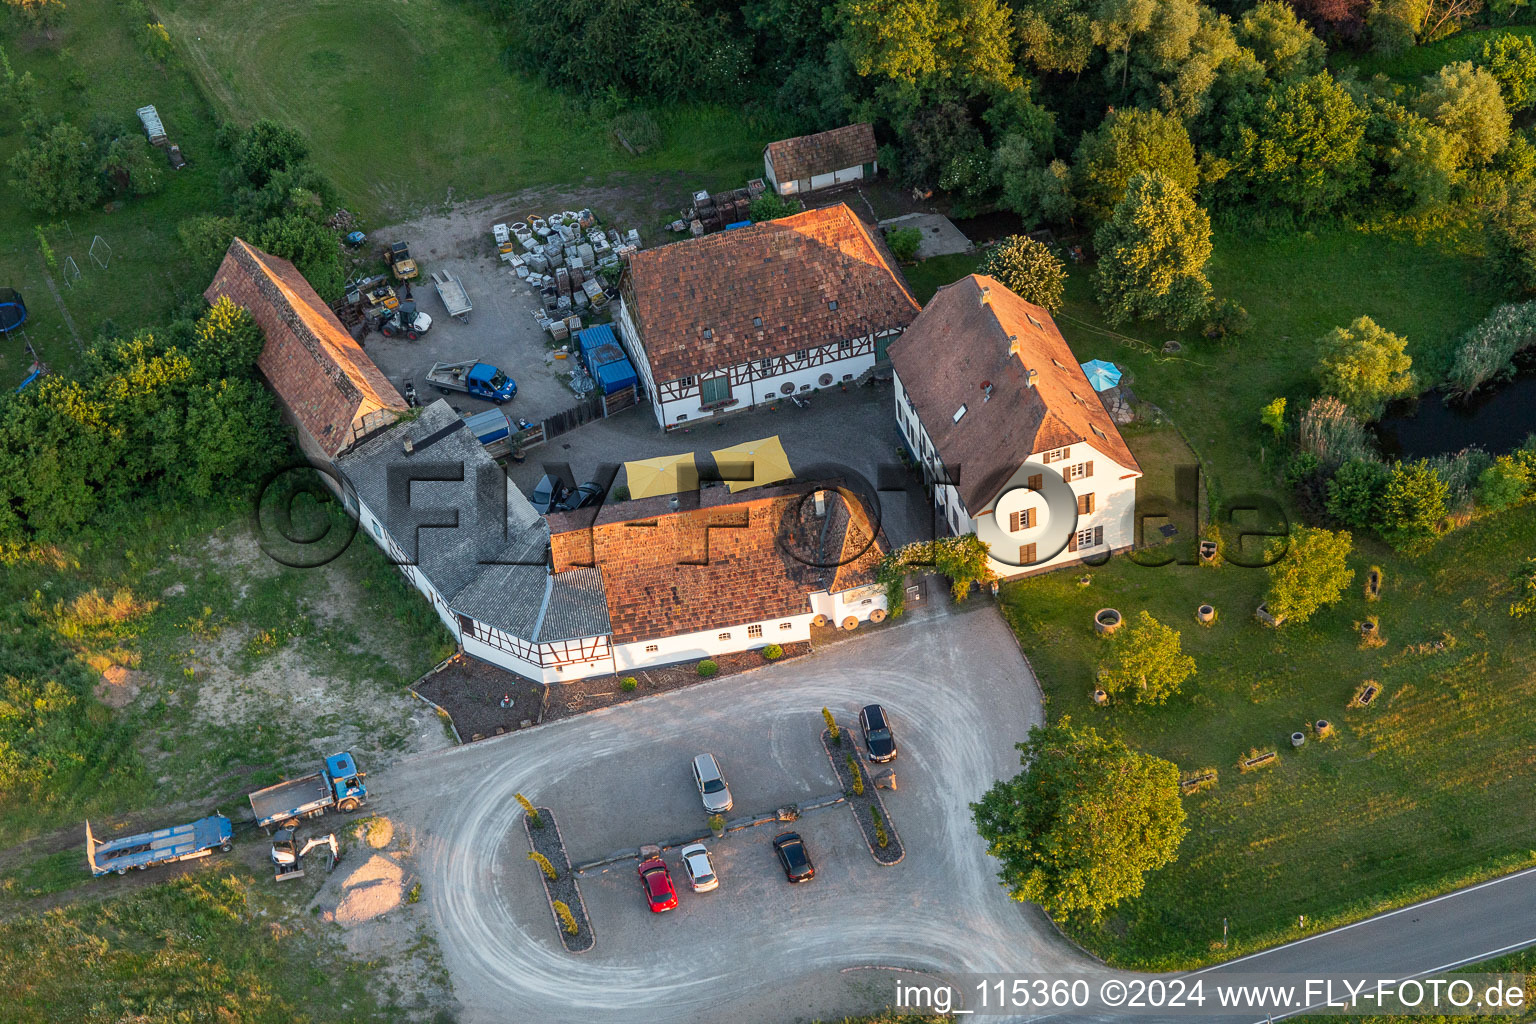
[(809, 162), (1014, 442), (748, 317)]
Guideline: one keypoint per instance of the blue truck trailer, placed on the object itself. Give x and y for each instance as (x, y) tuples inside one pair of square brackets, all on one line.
[(163, 846), (338, 785)]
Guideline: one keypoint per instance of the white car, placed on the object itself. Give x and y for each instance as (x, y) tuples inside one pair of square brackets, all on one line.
[(711, 782), (700, 869)]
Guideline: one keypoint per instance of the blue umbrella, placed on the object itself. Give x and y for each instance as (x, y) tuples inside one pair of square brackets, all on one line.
[(1101, 375)]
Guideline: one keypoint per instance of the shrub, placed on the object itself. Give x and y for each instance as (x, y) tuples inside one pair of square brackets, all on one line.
[(707, 668), (717, 823), (1313, 572), (1330, 431), (1226, 320), (544, 865), (1461, 472), (1412, 505), (773, 652), (903, 243), (43, 247), (567, 919), (629, 684), (832, 729), (619, 493), (1273, 416), (1525, 590), (1354, 492), (1027, 268), (534, 817), (770, 206), (1148, 657), (1504, 483), (882, 838), (414, 896), (858, 776)]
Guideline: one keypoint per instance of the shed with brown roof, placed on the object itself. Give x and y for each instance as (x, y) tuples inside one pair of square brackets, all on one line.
[(809, 162), (745, 317), (329, 389)]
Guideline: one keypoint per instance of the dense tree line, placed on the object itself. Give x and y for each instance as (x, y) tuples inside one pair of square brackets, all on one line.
[(169, 414), (1051, 107)]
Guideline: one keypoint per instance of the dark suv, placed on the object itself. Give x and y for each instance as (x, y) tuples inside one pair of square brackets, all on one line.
[(794, 857), (878, 739)]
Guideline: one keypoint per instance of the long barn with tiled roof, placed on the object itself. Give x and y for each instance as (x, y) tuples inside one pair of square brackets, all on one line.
[(752, 316)]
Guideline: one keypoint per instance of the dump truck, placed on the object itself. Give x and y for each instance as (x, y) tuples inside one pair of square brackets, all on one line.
[(451, 290), (163, 846), (399, 259), (473, 378), (339, 786)]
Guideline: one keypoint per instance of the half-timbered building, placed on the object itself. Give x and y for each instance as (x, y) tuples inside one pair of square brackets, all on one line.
[(752, 316), (1013, 443)]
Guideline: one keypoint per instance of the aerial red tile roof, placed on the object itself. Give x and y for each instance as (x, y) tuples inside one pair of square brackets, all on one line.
[(805, 156), (719, 560), (333, 391), (976, 332), (812, 278)]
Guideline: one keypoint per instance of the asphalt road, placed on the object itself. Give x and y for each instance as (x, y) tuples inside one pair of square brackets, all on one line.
[(758, 949)]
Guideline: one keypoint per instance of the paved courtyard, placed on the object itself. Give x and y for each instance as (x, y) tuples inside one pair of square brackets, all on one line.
[(841, 431), (960, 696)]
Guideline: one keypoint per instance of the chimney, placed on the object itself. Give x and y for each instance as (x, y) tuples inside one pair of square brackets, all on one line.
[(986, 294), (672, 504), (1015, 350), (1030, 376), (986, 391), (409, 446), (821, 503)]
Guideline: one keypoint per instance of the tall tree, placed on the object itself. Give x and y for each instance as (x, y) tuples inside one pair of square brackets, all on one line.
[(1465, 101), (1413, 502), (1152, 255), (1365, 365), (57, 171), (1301, 146), (1281, 41), (1028, 268), (1127, 143), (1079, 829), (1313, 573), (1147, 659), (1511, 60), (916, 41)]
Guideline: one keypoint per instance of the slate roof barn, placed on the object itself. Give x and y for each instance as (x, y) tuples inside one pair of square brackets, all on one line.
[(327, 386)]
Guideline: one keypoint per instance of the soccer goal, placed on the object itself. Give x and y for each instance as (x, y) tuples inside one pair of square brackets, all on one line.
[(71, 271), (101, 252)]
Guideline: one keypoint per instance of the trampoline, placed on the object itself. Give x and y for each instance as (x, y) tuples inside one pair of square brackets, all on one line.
[(13, 311)]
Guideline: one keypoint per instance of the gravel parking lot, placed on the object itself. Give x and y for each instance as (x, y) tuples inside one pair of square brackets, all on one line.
[(758, 949)]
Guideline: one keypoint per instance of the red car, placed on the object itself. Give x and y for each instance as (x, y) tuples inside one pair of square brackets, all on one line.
[(656, 880)]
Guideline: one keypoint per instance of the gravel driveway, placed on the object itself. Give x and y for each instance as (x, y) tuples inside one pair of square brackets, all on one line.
[(758, 949)]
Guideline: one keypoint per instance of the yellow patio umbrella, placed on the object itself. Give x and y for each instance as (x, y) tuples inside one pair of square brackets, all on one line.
[(764, 460), (665, 474)]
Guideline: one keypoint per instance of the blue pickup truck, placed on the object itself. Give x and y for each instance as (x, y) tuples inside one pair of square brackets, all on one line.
[(162, 846), (473, 378), (338, 785)]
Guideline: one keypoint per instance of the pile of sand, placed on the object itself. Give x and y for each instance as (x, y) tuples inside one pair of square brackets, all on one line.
[(118, 686), (373, 889)]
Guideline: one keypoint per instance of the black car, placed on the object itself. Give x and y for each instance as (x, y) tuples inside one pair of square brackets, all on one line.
[(794, 857), (589, 493), (546, 497), (877, 733)]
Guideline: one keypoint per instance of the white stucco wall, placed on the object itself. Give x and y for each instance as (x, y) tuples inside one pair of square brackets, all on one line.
[(763, 390), (707, 643)]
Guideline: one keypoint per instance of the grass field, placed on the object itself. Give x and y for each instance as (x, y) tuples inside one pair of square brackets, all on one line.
[(406, 105), (1414, 795), (147, 274)]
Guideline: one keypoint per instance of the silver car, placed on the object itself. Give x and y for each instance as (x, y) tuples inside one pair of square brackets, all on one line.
[(711, 782), (701, 870)]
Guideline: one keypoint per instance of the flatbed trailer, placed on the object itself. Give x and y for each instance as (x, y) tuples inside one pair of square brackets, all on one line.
[(163, 846), (451, 290)]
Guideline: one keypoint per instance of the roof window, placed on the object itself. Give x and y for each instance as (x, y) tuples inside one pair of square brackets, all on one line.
[(1101, 433), (757, 321), (959, 413), (708, 333), (1038, 325), (832, 305)]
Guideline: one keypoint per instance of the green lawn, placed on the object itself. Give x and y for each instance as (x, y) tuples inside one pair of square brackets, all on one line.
[(148, 274), (1421, 792), (407, 105)]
